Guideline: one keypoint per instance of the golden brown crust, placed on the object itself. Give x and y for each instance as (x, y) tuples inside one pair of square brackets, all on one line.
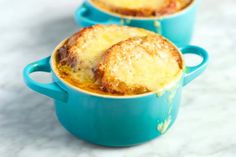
[(117, 73), (78, 57), (87, 59), (168, 7), (67, 53)]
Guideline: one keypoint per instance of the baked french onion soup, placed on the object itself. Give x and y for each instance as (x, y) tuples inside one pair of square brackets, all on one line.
[(117, 60), (142, 8)]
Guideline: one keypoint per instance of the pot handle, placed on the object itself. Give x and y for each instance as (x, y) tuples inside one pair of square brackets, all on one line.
[(51, 89), (85, 21), (192, 72)]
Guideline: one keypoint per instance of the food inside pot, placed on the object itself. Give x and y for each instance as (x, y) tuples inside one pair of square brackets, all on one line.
[(142, 8), (118, 60)]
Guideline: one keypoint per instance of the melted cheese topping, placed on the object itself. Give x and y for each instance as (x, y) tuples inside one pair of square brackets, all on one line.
[(142, 64), (143, 8), (87, 49), (135, 4), (136, 57), (140, 68)]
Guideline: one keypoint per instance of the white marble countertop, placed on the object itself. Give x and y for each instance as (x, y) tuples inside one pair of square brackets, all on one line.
[(205, 127)]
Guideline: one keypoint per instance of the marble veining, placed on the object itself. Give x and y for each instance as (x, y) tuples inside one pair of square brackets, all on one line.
[(205, 126)]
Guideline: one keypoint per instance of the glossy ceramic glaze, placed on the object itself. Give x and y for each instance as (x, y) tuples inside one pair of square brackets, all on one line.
[(114, 120), (177, 27)]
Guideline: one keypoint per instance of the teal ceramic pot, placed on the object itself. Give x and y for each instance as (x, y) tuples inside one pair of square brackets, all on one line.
[(114, 120), (177, 27)]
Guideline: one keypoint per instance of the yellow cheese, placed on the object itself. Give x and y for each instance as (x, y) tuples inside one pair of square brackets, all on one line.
[(141, 8), (120, 60), (140, 64), (87, 48), (135, 4)]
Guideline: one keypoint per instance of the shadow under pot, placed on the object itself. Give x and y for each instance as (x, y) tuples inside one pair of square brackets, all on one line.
[(177, 27), (114, 120)]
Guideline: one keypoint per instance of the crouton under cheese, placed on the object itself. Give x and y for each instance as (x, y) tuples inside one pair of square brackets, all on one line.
[(139, 65), (80, 54)]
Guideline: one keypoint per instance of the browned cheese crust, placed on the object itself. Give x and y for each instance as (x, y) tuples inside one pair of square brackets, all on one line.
[(79, 55), (139, 65), (167, 7)]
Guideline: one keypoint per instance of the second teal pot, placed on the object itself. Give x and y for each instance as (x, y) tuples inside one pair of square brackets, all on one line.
[(177, 27)]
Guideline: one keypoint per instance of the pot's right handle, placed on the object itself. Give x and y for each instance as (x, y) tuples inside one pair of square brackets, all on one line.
[(51, 89), (192, 72), (85, 21)]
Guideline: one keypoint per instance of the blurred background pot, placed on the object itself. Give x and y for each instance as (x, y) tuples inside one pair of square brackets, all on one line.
[(177, 27)]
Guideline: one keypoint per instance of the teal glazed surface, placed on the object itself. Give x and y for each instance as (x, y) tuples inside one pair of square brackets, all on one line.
[(114, 120), (177, 27)]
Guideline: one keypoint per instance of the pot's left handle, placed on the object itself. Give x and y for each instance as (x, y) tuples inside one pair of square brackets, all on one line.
[(51, 89)]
